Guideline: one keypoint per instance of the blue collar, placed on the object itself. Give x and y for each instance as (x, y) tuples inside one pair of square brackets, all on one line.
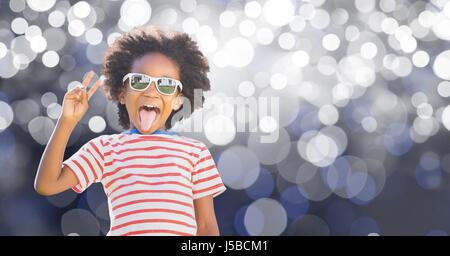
[(136, 131)]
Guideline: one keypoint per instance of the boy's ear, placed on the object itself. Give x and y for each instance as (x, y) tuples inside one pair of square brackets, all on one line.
[(122, 97), (177, 102)]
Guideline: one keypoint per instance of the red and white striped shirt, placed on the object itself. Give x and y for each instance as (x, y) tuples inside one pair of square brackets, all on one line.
[(150, 181)]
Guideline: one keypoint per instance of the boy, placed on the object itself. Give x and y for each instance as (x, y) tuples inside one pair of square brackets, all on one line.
[(157, 182)]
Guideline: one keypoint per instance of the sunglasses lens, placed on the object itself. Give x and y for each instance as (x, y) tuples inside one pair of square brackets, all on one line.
[(139, 82), (166, 85)]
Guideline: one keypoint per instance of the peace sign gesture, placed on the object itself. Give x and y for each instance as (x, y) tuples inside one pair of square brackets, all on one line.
[(75, 103)]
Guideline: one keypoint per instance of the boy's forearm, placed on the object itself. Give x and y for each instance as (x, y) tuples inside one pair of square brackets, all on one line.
[(50, 165)]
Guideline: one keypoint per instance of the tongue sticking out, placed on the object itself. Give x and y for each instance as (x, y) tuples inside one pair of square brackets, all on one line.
[(147, 118)]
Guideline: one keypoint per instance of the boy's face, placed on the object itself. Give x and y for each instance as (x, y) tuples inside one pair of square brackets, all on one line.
[(156, 65)]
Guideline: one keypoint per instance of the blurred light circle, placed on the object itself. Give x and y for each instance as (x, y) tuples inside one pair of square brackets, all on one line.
[(418, 98), (297, 24), (56, 19), (240, 52), (294, 202), (261, 79), (94, 36), (396, 139), (268, 124), (3, 50), (67, 62), (7, 68), (446, 117), (402, 66), (112, 117), (365, 6), (327, 65), (63, 199), (420, 59), (319, 149), (424, 110), (54, 110), (227, 19), (135, 12), (265, 217), (328, 114), (264, 36), (32, 31), (246, 89), (168, 16), (41, 129), (239, 167), (94, 53), (387, 5), (369, 124), (320, 20), (286, 41), (21, 61), (190, 25), (6, 115), (364, 226), (339, 16), (17, 5), (112, 37), (97, 124), (300, 58), (81, 222), (408, 44), (278, 81), (208, 43), (252, 9), (25, 110), (247, 28), (278, 12), (444, 89), (220, 130), (188, 5), (265, 151), (307, 11), (19, 25), (76, 28), (263, 186), (221, 59), (309, 225), (48, 98), (428, 179), (352, 33), (56, 38), (369, 50), (389, 25), (40, 5), (50, 59), (81, 9), (330, 42), (441, 64), (38, 44)]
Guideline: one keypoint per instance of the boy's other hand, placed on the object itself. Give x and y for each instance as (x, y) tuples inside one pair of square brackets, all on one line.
[(75, 103)]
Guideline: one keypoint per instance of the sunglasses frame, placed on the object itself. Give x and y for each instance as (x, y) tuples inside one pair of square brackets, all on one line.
[(152, 79)]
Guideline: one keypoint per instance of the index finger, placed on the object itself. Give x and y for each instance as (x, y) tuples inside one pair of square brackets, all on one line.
[(87, 79), (95, 87)]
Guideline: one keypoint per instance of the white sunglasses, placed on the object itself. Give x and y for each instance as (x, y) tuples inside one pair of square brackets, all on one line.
[(164, 85)]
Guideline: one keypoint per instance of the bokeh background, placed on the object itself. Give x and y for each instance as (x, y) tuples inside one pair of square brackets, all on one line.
[(364, 116)]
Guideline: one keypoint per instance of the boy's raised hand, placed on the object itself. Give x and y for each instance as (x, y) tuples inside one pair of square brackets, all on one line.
[(75, 103)]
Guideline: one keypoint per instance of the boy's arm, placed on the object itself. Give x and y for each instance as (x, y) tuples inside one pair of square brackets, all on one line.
[(206, 217), (51, 178)]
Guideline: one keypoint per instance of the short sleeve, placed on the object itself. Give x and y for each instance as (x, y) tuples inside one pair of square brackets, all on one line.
[(205, 177), (87, 164)]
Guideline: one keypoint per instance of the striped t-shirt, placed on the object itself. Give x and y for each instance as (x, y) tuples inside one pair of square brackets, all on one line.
[(150, 181)]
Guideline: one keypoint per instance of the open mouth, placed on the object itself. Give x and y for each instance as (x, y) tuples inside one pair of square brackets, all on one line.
[(148, 115)]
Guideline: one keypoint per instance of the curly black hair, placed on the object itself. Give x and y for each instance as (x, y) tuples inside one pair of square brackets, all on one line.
[(178, 46)]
